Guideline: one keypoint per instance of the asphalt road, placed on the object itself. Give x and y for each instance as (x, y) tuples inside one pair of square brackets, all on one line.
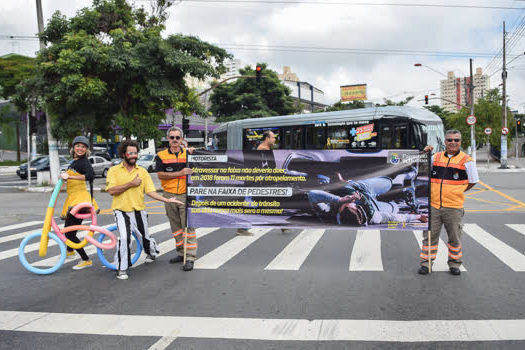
[(305, 289)]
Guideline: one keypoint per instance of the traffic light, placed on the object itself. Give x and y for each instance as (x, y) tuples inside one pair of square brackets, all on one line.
[(185, 126), (518, 125), (426, 99), (33, 125), (258, 73)]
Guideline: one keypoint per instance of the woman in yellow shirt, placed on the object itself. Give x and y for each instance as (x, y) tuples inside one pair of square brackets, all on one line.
[(79, 171)]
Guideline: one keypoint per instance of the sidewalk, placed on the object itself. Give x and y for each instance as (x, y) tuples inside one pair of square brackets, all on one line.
[(515, 166)]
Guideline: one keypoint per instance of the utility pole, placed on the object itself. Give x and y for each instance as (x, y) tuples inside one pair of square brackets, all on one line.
[(503, 153), (472, 130), (54, 166)]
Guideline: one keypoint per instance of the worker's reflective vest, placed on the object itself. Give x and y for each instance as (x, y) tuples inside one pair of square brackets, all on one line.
[(449, 180), (173, 162)]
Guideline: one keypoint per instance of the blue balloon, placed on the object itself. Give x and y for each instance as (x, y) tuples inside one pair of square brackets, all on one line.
[(41, 271), (103, 259)]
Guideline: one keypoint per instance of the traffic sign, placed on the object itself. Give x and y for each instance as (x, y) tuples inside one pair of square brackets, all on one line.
[(488, 131), (504, 131), (471, 120)]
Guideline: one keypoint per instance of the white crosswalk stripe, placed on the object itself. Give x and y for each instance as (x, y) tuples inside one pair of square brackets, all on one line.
[(366, 254), (24, 224), (440, 264), (517, 227), (296, 252), (221, 255), (501, 250)]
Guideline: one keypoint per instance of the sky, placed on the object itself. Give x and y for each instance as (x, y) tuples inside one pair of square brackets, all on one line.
[(329, 43)]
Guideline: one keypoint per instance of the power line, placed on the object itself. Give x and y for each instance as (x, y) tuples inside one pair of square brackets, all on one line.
[(336, 3)]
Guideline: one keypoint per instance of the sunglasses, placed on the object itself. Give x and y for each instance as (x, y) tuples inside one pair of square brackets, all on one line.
[(455, 140), (175, 137), (131, 153)]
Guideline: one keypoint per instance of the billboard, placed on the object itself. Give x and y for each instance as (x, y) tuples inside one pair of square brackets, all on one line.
[(353, 92), (334, 189)]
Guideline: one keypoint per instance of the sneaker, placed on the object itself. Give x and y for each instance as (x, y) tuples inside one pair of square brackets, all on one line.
[(122, 275), (83, 264), (244, 232), (284, 230), (177, 259), (455, 271), (70, 254), (149, 259), (188, 266), (423, 270)]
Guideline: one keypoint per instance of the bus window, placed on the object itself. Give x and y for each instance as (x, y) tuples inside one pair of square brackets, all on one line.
[(337, 137), (363, 136), (252, 138), (394, 136), (435, 136), (314, 137), (219, 141), (292, 138), (417, 136)]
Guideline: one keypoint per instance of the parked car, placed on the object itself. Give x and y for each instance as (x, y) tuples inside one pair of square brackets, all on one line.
[(116, 161), (147, 161), (103, 154), (100, 165), (39, 164)]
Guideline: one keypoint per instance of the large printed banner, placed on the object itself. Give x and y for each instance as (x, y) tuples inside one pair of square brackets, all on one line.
[(333, 189)]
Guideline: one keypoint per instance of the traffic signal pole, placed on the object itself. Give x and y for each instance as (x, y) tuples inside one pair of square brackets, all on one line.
[(472, 130), (503, 153)]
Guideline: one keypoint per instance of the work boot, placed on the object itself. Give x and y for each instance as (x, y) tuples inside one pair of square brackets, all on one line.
[(423, 270), (455, 271), (177, 259), (188, 266)]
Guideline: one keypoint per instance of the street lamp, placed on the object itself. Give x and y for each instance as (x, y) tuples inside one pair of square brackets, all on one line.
[(432, 69)]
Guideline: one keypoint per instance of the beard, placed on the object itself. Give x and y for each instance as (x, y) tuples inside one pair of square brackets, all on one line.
[(130, 161)]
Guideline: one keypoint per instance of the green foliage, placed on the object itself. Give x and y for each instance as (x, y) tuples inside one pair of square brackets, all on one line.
[(247, 98), (109, 66), (340, 106), (8, 123), (14, 69), (392, 103), (488, 113), (440, 112)]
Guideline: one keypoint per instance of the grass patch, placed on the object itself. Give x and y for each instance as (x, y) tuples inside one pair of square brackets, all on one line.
[(11, 162)]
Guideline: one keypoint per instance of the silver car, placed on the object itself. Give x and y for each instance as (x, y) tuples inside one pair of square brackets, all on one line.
[(147, 161), (100, 165)]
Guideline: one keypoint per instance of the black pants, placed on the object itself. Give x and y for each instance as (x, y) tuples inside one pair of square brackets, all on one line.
[(72, 235)]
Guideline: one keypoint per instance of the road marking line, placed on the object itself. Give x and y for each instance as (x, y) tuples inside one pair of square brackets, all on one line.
[(502, 251), (517, 227), (265, 329), (222, 254), (162, 343), (503, 194), (366, 253), (21, 235), (164, 247), (25, 224), (440, 264), (296, 252)]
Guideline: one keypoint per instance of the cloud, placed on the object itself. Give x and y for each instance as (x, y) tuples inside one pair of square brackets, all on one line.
[(332, 29)]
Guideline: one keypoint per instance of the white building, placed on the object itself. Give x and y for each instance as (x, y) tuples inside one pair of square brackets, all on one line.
[(455, 91), (303, 92)]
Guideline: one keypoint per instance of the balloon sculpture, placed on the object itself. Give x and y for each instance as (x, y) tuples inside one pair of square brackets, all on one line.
[(58, 236)]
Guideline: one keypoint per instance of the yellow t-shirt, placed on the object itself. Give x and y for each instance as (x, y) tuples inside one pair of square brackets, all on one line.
[(133, 198)]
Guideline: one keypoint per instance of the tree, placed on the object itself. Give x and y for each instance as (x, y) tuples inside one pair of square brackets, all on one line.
[(340, 106), (13, 70), (392, 103), (247, 98), (488, 114), (109, 66)]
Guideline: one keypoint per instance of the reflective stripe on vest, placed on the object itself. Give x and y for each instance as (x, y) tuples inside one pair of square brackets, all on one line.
[(449, 180)]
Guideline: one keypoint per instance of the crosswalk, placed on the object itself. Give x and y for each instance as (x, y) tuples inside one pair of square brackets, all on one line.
[(364, 254)]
